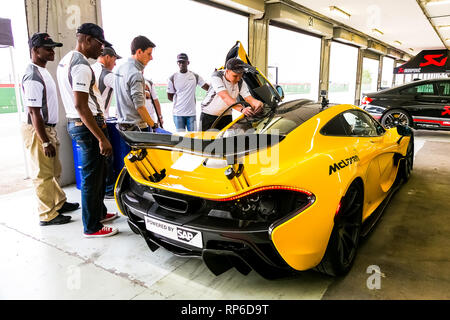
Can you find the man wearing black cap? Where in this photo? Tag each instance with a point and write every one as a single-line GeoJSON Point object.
{"type": "Point", "coordinates": [86, 125]}
{"type": "Point", "coordinates": [225, 88]}
{"type": "Point", "coordinates": [104, 79]}
{"type": "Point", "coordinates": [39, 133]}
{"type": "Point", "coordinates": [181, 89]}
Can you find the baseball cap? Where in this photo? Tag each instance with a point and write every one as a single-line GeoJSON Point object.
{"type": "Point", "coordinates": [237, 65]}
{"type": "Point", "coordinates": [94, 30]}
{"type": "Point", "coordinates": [182, 57]}
{"type": "Point", "coordinates": [109, 51]}
{"type": "Point", "coordinates": [42, 39]}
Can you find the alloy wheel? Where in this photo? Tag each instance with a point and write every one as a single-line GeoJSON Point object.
{"type": "Point", "coordinates": [395, 118]}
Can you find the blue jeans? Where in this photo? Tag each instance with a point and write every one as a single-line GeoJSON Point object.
{"type": "Point", "coordinates": [110, 174]}
{"type": "Point", "coordinates": [184, 123]}
{"type": "Point", "coordinates": [93, 177]}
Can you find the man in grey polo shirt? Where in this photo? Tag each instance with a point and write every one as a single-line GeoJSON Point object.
{"type": "Point", "coordinates": [130, 88]}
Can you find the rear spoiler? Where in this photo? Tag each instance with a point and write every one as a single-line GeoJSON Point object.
{"type": "Point", "coordinates": [229, 148]}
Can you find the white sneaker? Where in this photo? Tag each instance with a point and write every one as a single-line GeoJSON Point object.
{"type": "Point", "coordinates": [109, 217]}
{"type": "Point", "coordinates": [103, 232]}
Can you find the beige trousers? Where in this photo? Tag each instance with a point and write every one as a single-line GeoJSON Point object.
{"type": "Point", "coordinates": [44, 172]}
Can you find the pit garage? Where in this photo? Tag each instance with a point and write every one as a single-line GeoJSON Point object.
{"type": "Point", "coordinates": [323, 53]}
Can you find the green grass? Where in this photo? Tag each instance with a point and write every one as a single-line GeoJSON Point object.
{"type": "Point", "coordinates": [8, 103]}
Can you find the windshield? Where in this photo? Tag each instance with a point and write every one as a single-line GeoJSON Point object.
{"type": "Point", "coordinates": [280, 121]}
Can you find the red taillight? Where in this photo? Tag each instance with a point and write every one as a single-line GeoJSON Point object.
{"type": "Point", "coordinates": [366, 100]}
{"type": "Point", "coordinates": [338, 208]}
{"type": "Point", "coordinates": [263, 189]}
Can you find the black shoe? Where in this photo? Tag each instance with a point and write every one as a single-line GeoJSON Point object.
{"type": "Point", "coordinates": [109, 195]}
{"type": "Point", "coordinates": [69, 206]}
{"type": "Point", "coordinates": [60, 219]}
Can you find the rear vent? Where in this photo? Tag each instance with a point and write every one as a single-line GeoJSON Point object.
{"type": "Point", "coordinates": [171, 204]}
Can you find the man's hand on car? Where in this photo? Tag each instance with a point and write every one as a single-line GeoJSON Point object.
{"type": "Point", "coordinates": [248, 111]}
{"type": "Point", "coordinates": [257, 106]}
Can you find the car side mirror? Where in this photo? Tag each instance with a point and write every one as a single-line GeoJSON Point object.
{"type": "Point", "coordinates": [280, 91]}
{"type": "Point", "coordinates": [404, 130]}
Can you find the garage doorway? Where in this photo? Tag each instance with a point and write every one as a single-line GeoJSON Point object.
{"type": "Point", "coordinates": [175, 26]}
{"type": "Point", "coordinates": [369, 75]}
{"type": "Point", "coordinates": [296, 56]}
{"type": "Point", "coordinates": [343, 68]}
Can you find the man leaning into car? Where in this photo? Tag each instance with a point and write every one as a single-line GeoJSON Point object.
{"type": "Point", "coordinates": [225, 87]}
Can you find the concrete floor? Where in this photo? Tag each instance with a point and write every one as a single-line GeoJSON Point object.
{"type": "Point", "coordinates": [410, 245]}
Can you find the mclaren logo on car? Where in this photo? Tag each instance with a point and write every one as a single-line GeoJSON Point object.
{"type": "Point", "coordinates": [342, 164]}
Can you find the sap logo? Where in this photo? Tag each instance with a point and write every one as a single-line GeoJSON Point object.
{"type": "Point", "coordinates": [185, 235]}
{"type": "Point", "coordinates": [342, 164]}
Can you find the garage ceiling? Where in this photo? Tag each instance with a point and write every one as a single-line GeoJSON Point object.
{"type": "Point", "coordinates": [438, 13]}
{"type": "Point", "coordinates": [402, 20]}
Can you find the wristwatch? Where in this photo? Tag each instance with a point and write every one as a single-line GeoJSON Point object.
{"type": "Point", "coordinates": [46, 144]}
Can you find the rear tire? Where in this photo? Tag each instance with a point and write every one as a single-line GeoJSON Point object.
{"type": "Point", "coordinates": [408, 161]}
{"type": "Point", "coordinates": [344, 239]}
{"type": "Point", "coordinates": [394, 117]}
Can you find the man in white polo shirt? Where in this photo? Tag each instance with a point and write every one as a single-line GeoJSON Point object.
{"type": "Point", "coordinates": [181, 90]}
{"type": "Point", "coordinates": [39, 134]}
{"type": "Point", "coordinates": [86, 125]}
{"type": "Point", "coordinates": [225, 88]}
{"type": "Point", "coordinates": [104, 77]}
{"type": "Point", "coordinates": [104, 80]}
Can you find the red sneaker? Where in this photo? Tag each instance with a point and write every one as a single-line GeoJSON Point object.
{"type": "Point", "coordinates": [103, 232]}
{"type": "Point", "coordinates": [109, 217]}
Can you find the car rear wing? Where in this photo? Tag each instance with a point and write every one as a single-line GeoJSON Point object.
{"type": "Point", "coordinates": [229, 148]}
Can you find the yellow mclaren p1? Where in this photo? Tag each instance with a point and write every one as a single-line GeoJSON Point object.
{"type": "Point", "coordinates": [289, 190]}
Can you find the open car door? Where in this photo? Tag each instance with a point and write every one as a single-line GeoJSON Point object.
{"type": "Point", "coordinates": [260, 87]}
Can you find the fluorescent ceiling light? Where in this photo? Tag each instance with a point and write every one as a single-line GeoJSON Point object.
{"type": "Point", "coordinates": [447, 27]}
{"type": "Point", "coordinates": [398, 42]}
{"type": "Point", "coordinates": [339, 12]}
{"type": "Point", "coordinates": [377, 31]}
{"type": "Point", "coordinates": [437, 2]}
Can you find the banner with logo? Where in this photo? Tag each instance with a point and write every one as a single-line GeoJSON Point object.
{"type": "Point", "coordinates": [427, 61]}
